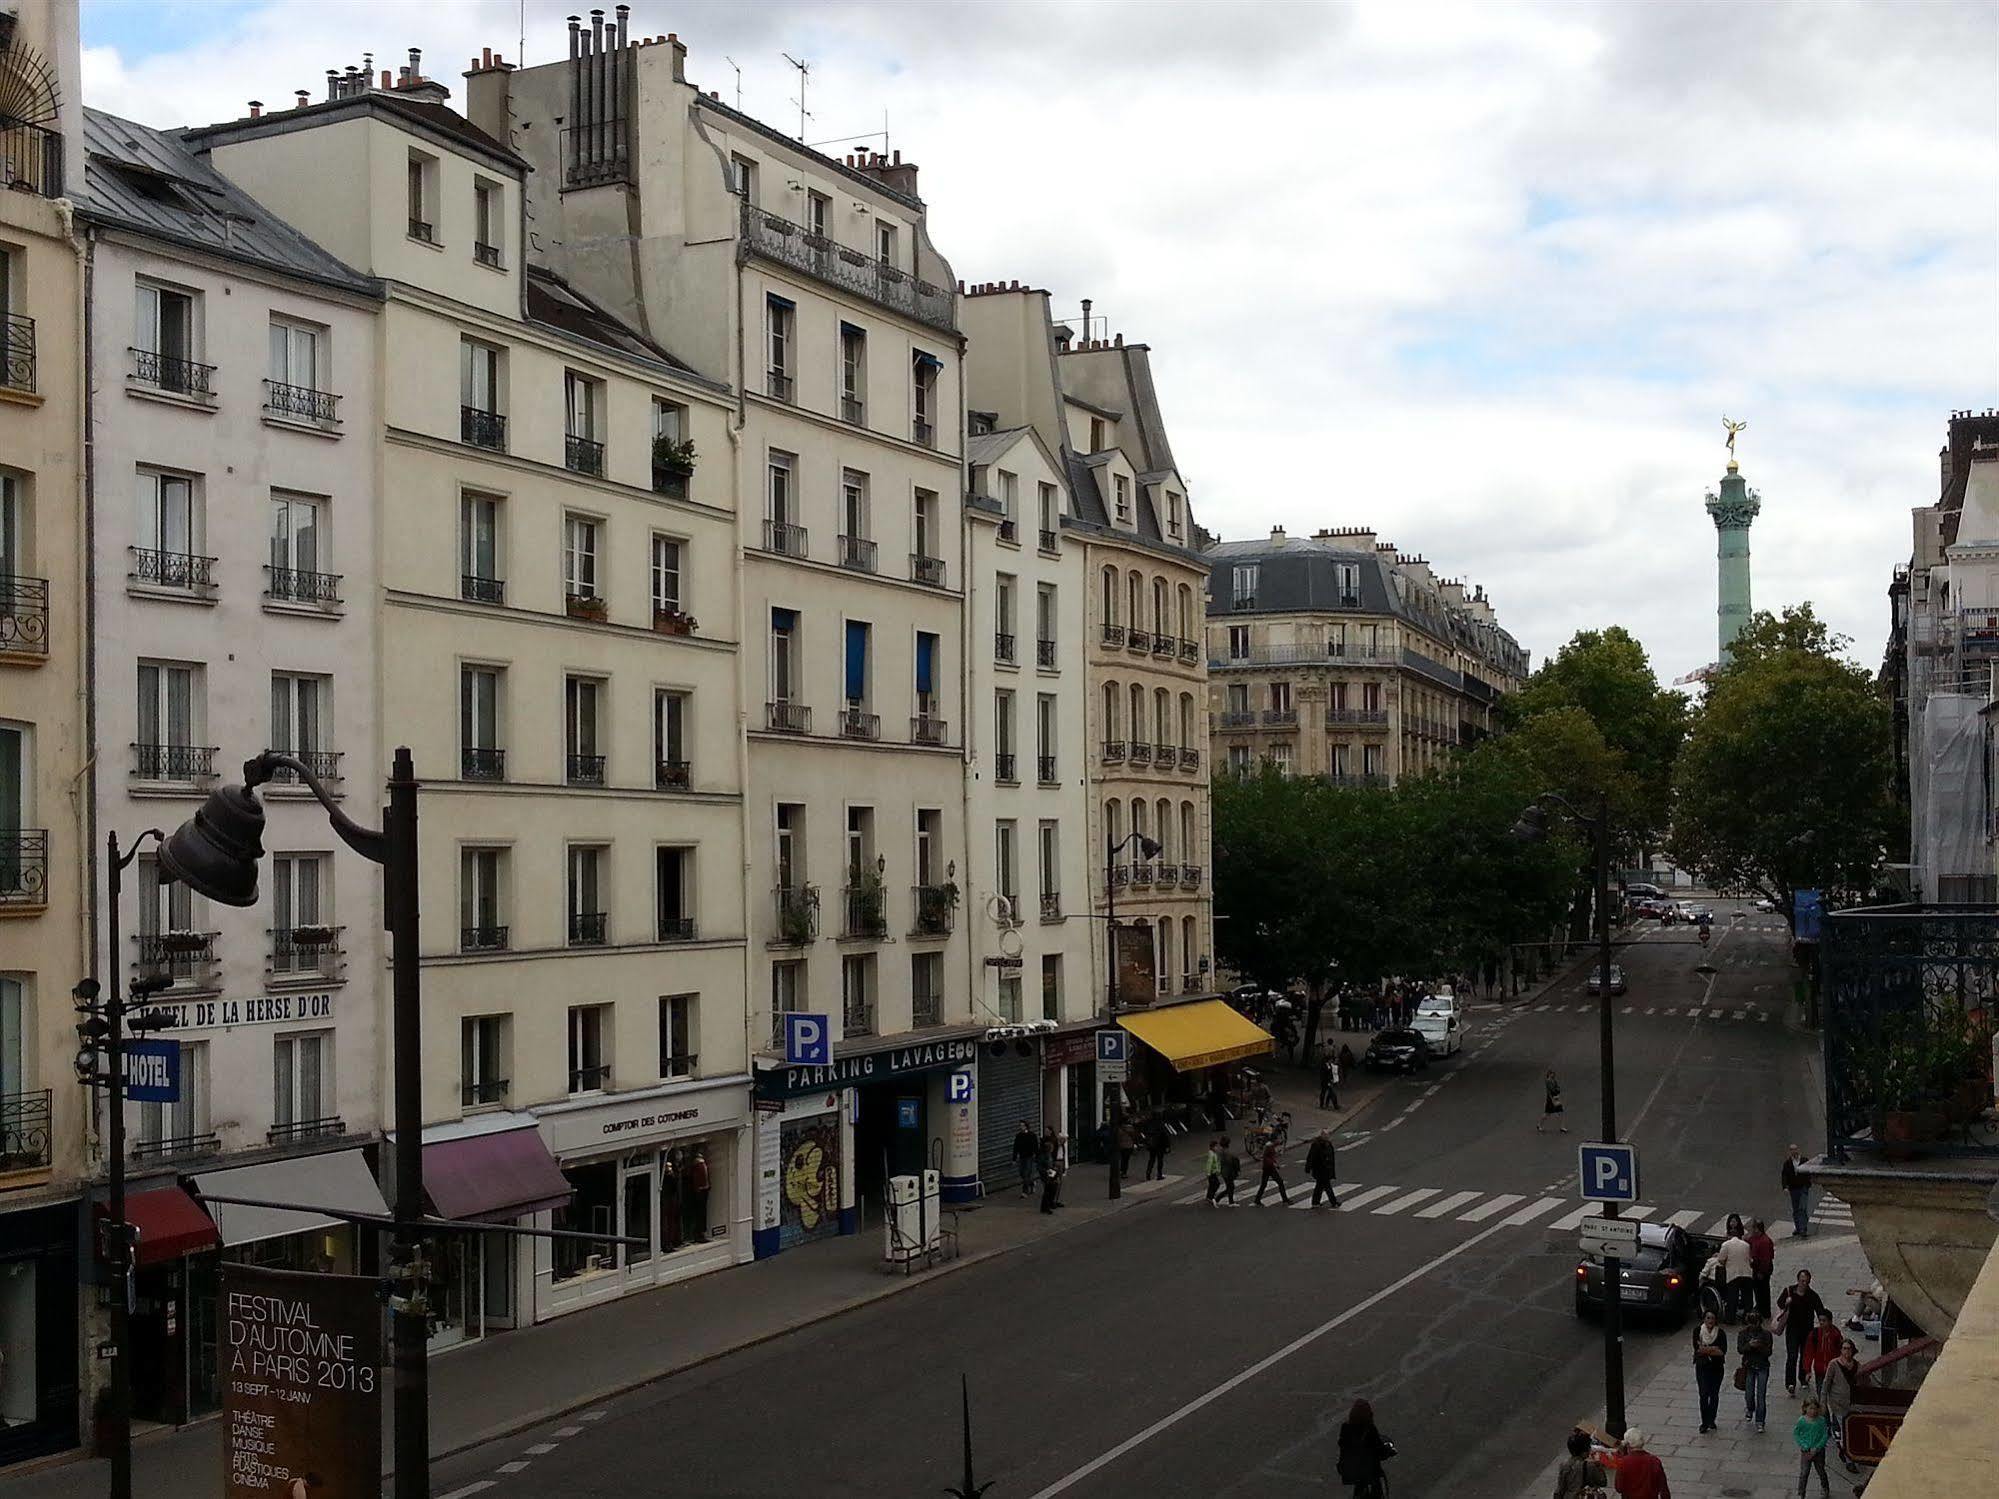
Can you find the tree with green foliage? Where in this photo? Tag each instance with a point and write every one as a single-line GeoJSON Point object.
{"type": "Point", "coordinates": [1785, 781]}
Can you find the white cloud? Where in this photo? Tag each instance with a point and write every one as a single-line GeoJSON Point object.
{"type": "Point", "coordinates": [1483, 277]}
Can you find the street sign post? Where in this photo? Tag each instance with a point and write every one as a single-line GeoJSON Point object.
{"type": "Point", "coordinates": [1113, 1056]}
{"type": "Point", "coordinates": [1608, 1238]}
{"type": "Point", "coordinates": [808, 1041]}
{"type": "Point", "coordinates": [1608, 1171]}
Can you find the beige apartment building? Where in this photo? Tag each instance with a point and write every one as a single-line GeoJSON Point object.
{"type": "Point", "coordinates": [808, 286]}
{"type": "Point", "coordinates": [44, 737]}
{"type": "Point", "coordinates": [558, 605]}
{"type": "Point", "coordinates": [1337, 655]}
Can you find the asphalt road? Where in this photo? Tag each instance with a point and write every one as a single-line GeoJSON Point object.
{"type": "Point", "coordinates": [1178, 1350]}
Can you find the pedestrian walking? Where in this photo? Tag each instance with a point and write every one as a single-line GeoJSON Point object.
{"type": "Point", "coordinates": [1127, 1144]}
{"type": "Point", "coordinates": [1811, 1434]}
{"type": "Point", "coordinates": [1213, 1167]}
{"type": "Point", "coordinates": [1231, 1169]}
{"type": "Point", "coordinates": [1731, 1267]}
{"type": "Point", "coordinates": [1551, 1107]}
{"type": "Point", "coordinates": [1271, 1174]}
{"type": "Point", "coordinates": [1363, 1449]}
{"type": "Point", "coordinates": [1762, 1263]}
{"type": "Point", "coordinates": [1754, 1345]}
{"type": "Point", "coordinates": [1044, 1166]}
{"type": "Point", "coordinates": [1026, 1148]}
{"type": "Point", "coordinates": [1798, 1308]}
{"type": "Point", "coordinates": [1639, 1474]}
{"type": "Point", "coordinates": [1578, 1477]}
{"type": "Point", "coordinates": [1158, 1140]}
{"type": "Point", "coordinates": [1842, 1378]}
{"type": "Point", "coordinates": [1821, 1350]}
{"type": "Point", "coordinates": [1319, 1166]}
{"type": "Point", "coordinates": [1798, 1185]}
{"type": "Point", "coordinates": [1329, 1080]}
{"type": "Point", "coordinates": [1710, 1359]}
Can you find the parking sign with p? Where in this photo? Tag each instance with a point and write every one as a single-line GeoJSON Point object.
{"type": "Point", "coordinates": [1608, 1171]}
{"type": "Point", "coordinates": [807, 1041]}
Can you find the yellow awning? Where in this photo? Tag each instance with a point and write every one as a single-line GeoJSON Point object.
{"type": "Point", "coordinates": [1202, 1034]}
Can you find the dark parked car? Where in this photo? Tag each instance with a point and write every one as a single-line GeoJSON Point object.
{"type": "Point", "coordinates": [1616, 979]}
{"type": "Point", "coordinates": [1663, 1281]}
{"type": "Point", "coordinates": [1397, 1051]}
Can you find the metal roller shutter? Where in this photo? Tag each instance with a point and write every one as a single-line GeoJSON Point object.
{"type": "Point", "coordinates": [1009, 1091]}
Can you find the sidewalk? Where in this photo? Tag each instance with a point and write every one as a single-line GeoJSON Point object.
{"type": "Point", "coordinates": [1737, 1462]}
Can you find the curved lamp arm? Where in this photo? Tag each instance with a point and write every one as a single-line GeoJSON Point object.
{"type": "Point", "coordinates": [369, 843]}
{"type": "Point", "coordinates": [1587, 818]}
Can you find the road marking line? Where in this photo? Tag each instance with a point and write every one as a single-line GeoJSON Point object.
{"type": "Point", "coordinates": [1684, 1219]}
{"type": "Point", "coordinates": [1716, 1014]}
{"type": "Point", "coordinates": [1576, 1215]}
{"type": "Point", "coordinates": [569, 1431]}
{"type": "Point", "coordinates": [542, 1449]}
{"type": "Point", "coordinates": [1449, 1204]}
{"type": "Point", "coordinates": [1628, 1009]}
{"type": "Point", "coordinates": [1236, 1381]}
{"type": "Point", "coordinates": [1529, 1213]}
{"type": "Point", "coordinates": [1391, 1124]}
{"type": "Point", "coordinates": [1719, 1227]}
{"type": "Point", "coordinates": [1498, 1204]}
{"type": "Point", "coordinates": [1637, 1210]}
{"type": "Point", "coordinates": [471, 1488]}
{"type": "Point", "coordinates": [1362, 1199]}
{"type": "Point", "coordinates": [1419, 1195]}
{"type": "Point", "coordinates": [592, 1416]}
{"type": "Point", "coordinates": [510, 1467]}
{"type": "Point", "coordinates": [1180, 1202]}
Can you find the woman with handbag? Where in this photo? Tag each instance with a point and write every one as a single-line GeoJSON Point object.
{"type": "Point", "coordinates": [1710, 1358]}
{"type": "Point", "coordinates": [1363, 1449]}
{"type": "Point", "coordinates": [1579, 1477]}
{"type": "Point", "coordinates": [1752, 1375]}
{"type": "Point", "coordinates": [1842, 1377]}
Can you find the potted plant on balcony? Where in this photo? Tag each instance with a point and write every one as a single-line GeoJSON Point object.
{"type": "Point", "coordinates": [312, 936]}
{"type": "Point", "coordinates": [590, 606]}
{"type": "Point", "coordinates": [672, 464]}
{"type": "Point", "coordinates": [673, 621]}
{"type": "Point", "coordinates": [870, 901]}
{"type": "Point", "coordinates": [183, 943]}
{"type": "Point", "coordinates": [1922, 1069]}
{"type": "Point", "coordinates": [935, 905]}
{"type": "Point", "coordinates": [800, 917]}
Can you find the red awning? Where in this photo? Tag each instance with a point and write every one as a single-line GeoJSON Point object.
{"type": "Point", "coordinates": [170, 1224]}
{"type": "Point", "coordinates": [493, 1177]}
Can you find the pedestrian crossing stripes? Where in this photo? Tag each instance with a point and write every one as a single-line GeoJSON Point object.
{"type": "Point", "coordinates": [1555, 1214]}
{"type": "Point", "coordinates": [1750, 1015]}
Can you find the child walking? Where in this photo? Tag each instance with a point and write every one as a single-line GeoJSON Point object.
{"type": "Point", "coordinates": [1811, 1434]}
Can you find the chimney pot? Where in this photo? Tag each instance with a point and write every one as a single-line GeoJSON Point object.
{"type": "Point", "coordinates": [898, 158]}
{"type": "Point", "coordinates": [416, 62]}
{"type": "Point", "coordinates": [256, 108]}
{"type": "Point", "coordinates": [486, 57]}
{"type": "Point", "coordinates": [302, 96]}
{"type": "Point", "coordinates": [1119, 341]}
{"type": "Point", "coordinates": [387, 79]}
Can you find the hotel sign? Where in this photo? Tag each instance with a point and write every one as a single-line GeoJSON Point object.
{"type": "Point", "coordinates": [262, 1009]}
{"type": "Point", "coordinates": [868, 1067]}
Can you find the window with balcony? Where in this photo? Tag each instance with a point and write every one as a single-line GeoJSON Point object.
{"type": "Point", "coordinates": [1051, 986]}
{"type": "Point", "coordinates": [853, 373]}
{"type": "Point", "coordinates": [782, 531]}
{"type": "Point", "coordinates": [857, 994]}
{"type": "Point", "coordinates": [673, 893]}
{"type": "Point", "coordinates": [1243, 579]}
{"type": "Point", "coordinates": [585, 895]}
{"type": "Point", "coordinates": [926, 989]}
{"type": "Point", "coordinates": [24, 1112]}
{"type": "Point", "coordinates": [1006, 490]}
{"type": "Point", "coordinates": [1340, 761]}
{"type": "Point", "coordinates": [482, 919]}
{"type": "Point", "coordinates": [583, 424]}
{"type": "Point", "coordinates": [788, 850]}
{"type": "Point", "coordinates": [1187, 621]}
{"type": "Point", "coordinates": [1006, 763]}
{"type": "Point", "coordinates": [297, 572]}
{"type": "Point", "coordinates": [1050, 849]}
{"type": "Point", "coordinates": [924, 369]}
{"type": "Point", "coordinates": [1006, 868]}
{"type": "Point", "coordinates": [1370, 697]}
{"type": "Point", "coordinates": [169, 535]}
{"type": "Point", "coordinates": [480, 579]}
{"type": "Point", "coordinates": [1175, 509]}
{"type": "Point", "coordinates": [1190, 843]}
{"type": "Point", "coordinates": [857, 548]}
{"type": "Point", "coordinates": [17, 329]}
{"type": "Point", "coordinates": [670, 742]}
{"type": "Point", "coordinates": [1187, 741]}
{"type": "Point", "coordinates": [589, 1048]}
{"type": "Point", "coordinates": [302, 722]}
{"type": "Point", "coordinates": [672, 449]}
{"type": "Point", "coordinates": [480, 756]}
{"type": "Point", "coordinates": [1004, 649]}
{"type": "Point", "coordinates": [857, 721]}
{"type": "Point", "coordinates": [582, 543]}
{"type": "Point", "coordinates": [295, 387]}
{"type": "Point", "coordinates": [926, 562]}
{"type": "Point", "coordinates": [420, 188]}
{"type": "Point", "coordinates": [1047, 614]}
{"type": "Point", "coordinates": [885, 244]}
{"type": "Point", "coordinates": [818, 214]}
{"type": "Point", "coordinates": [1049, 511]}
{"type": "Point", "coordinates": [583, 730]}
{"type": "Point", "coordinates": [1008, 1000]}
{"type": "Point", "coordinates": [1239, 758]}
{"type": "Point", "coordinates": [1347, 577]}
{"type": "Point", "coordinates": [1238, 642]}
{"type": "Point", "coordinates": [780, 330]}
{"type": "Point", "coordinates": [1370, 760]}
{"type": "Point", "coordinates": [302, 1098]}
{"type": "Point", "coordinates": [480, 370]}
{"type": "Point", "coordinates": [1370, 641]}
{"type": "Point", "coordinates": [166, 1130]}
{"type": "Point", "coordinates": [787, 994]}
{"type": "Point", "coordinates": [1280, 703]}
{"type": "Point", "coordinates": [169, 944]}
{"type": "Point", "coordinates": [669, 602]}
{"type": "Point", "coordinates": [1045, 768]}
{"type": "Point", "coordinates": [784, 712]}
{"type": "Point", "coordinates": [170, 710]}
{"type": "Point", "coordinates": [166, 342]}
{"type": "Point", "coordinates": [1280, 757]}
{"type": "Point", "coordinates": [303, 940]}
{"type": "Point", "coordinates": [24, 600]}
{"type": "Point", "coordinates": [482, 1059]}
{"type": "Point", "coordinates": [679, 1035]}
{"type": "Point", "coordinates": [488, 229]}
{"type": "Point", "coordinates": [927, 724]}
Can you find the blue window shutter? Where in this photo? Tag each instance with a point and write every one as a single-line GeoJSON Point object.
{"type": "Point", "coordinates": [857, 660]}
{"type": "Point", "coordinates": [783, 619]}
{"type": "Point", "coordinates": [785, 302]}
{"type": "Point", "coordinates": [929, 359]}
{"type": "Point", "coordinates": [926, 663]}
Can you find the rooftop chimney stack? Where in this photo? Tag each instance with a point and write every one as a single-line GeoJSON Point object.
{"type": "Point", "coordinates": [256, 108]}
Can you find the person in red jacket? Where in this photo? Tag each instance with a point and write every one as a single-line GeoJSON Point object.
{"type": "Point", "coordinates": [1821, 1348]}
{"type": "Point", "coordinates": [1762, 1263]}
{"type": "Point", "coordinates": [1638, 1474]}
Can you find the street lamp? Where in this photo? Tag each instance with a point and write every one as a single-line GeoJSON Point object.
{"type": "Point", "coordinates": [215, 854]}
{"type": "Point", "coordinates": [1147, 849]}
{"type": "Point", "coordinates": [1533, 828]}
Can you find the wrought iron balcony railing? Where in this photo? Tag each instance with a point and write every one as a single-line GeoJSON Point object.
{"type": "Point", "coordinates": [1050, 542]}
{"type": "Point", "coordinates": [1045, 769]}
{"type": "Point", "coordinates": [585, 770]}
{"type": "Point", "coordinates": [590, 1079]}
{"type": "Point", "coordinates": [481, 590]}
{"type": "Point", "coordinates": [183, 957]}
{"type": "Point", "coordinates": [923, 729]}
{"type": "Point", "coordinates": [31, 160]}
{"type": "Point", "coordinates": [866, 910]}
{"type": "Point", "coordinates": [422, 229]}
{"type": "Point", "coordinates": [797, 909]}
{"type": "Point", "coordinates": [476, 763]}
{"type": "Point", "coordinates": [1044, 654]}
{"type": "Point", "coordinates": [1051, 907]}
{"type": "Point", "coordinates": [24, 614]}
{"type": "Point", "coordinates": [779, 386]}
{"type": "Point", "coordinates": [1162, 755]}
{"type": "Point", "coordinates": [670, 482]}
{"type": "Point", "coordinates": [177, 1147]}
{"type": "Point", "coordinates": [582, 455]}
{"type": "Point", "coordinates": [858, 553]}
{"type": "Point", "coordinates": [853, 411]}
{"type": "Point", "coordinates": [1190, 759]}
{"type": "Point", "coordinates": [17, 351]}
{"type": "Point", "coordinates": [1138, 640]}
{"type": "Point", "coordinates": [306, 949]}
{"type": "Point", "coordinates": [323, 763]}
{"type": "Point", "coordinates": [1113, 752]}
{"type": "Point", "coordinates": [1003, 646]}
{"type": "Point", "coordinates": [24, 867]}
{"type": "Point", "coordinates": [485, 254]}
{"type": "Point", "coordinates": [1190, 876]}
{"type": "Point", "coordinates": [484, 938]}
{"type": "Point", "coordinates": [328, 1127]}
{"type": "Point", "coordinates": [160, 569]}
{"type": "Point", "coordinates": [935, 907]}
{"type": "Point", "coordinates": [181, 377]}
{"type": "Point", "coordinates": [1141, 876]}
{"type": "Point", "coordinates": [302, 403]}
{"type": "Point", "coordinates": [785, 539]}
{"type": "Point", "coordinates": [299, 587]}
{"type": "Point", "coordinates": [671, 775]}
{"type": "Point", "coordinates": [928, 570]}
{"type": "Point", "coordinates": [1163, 645]}
{"type": "Point", "coordinates": [926, 1008]}
{"type": "Point", "coordinates": [1239, 719]}
{"type": "Point", "coordinates": [1361, 716]}
{"type": "Point", "coordinates": [676, 928]}
{"type": "Point", "coordinates": [586, 928]}
{"type": "Point", "coordinates": [922, 433]}
{"type": "Point", "coordinates": [1190, 653]}
{"type": "Point", "coordinates": [1281, 717]}
{"type": "Point", "coordinates": [1113, 635]}
{"type": "Point", "coordinates": [25, 1120]}
{"type": "Point", "coordinates": [486, 1090]}
{"type": "Point", "coordinates": [1139, 753]}
{"type": "Point", "coordinates": [785, 717]}
{"type": "Point", "coordinates": [173, 762]}
{"type": "Point", "coordinates": [820, 256]}
{"type": "Point", "coordinates": [1006, 768]}
{"type": "Point", "coordinates": [855, 723]}
{"type": "Point", "coordinates": [1009, 529]}
{"type": "Point", "coordinates": [1117, 876]}
{"type": "Point", "coordinates": [482, 429]}
{"type": "Point", "coordinates": [857, 1016]}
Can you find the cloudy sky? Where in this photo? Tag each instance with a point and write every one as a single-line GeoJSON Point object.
{"type": "Point", "coordinates": [1483, 276]}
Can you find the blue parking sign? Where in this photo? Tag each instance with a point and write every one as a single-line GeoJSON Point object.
{"type": "Point", "coordinates": [958, 1086]}
{"type": "Point", "coordinates": [808, 1041]}
{"type": "Point", "coordinates": [1112, 1046]}
{"type": "Point", "coordinates": [1608, 1171]}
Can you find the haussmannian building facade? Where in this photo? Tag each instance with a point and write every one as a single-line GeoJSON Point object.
{"type": "Point", "coordinates": [1336, 655]}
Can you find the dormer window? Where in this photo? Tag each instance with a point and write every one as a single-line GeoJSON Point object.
{"type": "Point", "coordinates": [422, 178]}
{"type": "Point", "coordinates": [1121, 490]}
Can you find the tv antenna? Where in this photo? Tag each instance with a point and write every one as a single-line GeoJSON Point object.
{"type": "Point", "coordinates": [739, 81]}
{"type": "Point", "coordinates": [804, 75]}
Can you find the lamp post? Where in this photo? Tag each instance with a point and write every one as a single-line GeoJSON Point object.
{"type": "Point", "coordinates": [215, 853]}
{"type": "Point", "coordinates": [1533, 828]}
{"type": "Point", "coordinates": [1147, 849]}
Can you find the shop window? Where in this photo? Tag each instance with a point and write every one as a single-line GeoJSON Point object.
{"type": "Point", "coordinates": [593, 1209]}
{"type": "Point", "coordinates": [679, 1034]}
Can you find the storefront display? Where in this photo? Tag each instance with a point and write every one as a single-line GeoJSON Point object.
{"type": "Point", "coordinates": [38, 1308]}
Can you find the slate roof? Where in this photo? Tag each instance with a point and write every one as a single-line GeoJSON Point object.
{"type": "Point", "coordinates": [426, 114]}
{"type": "Point", "coordinates": [151, 181]}
{"type": "Point", "coordinates": [989, 447]}
{"type": "Point", "coordinates": [554, 303]}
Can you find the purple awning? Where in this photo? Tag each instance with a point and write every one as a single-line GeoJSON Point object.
{"type": "Point", "coordinates": [493, 1177]}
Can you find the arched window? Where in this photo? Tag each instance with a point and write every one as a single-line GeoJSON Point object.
{"type": "Point", "coordinates": [1139, 819]}
{"type": "Point", "coordinates": [1113, 822]}
{"type": "Point", "coordinates": [1161, 623]}
{"type": "Point", "coordinates": [1162, 716]}
{"type": "Point", "coordinates": [1137, 713]}
{"type": "Point", "coordinates": [1165, 826]}
{"type": "Point", "coordinates": [1190, 842]}
{"type": "Point", "coordinates": [1186, 612]}
{"type": "Point", "coordinates": [1111, 696]}
{"type": "Point", "coordinates": [1164, 957]}
{"type": "Point", "coordinates": [1187, 721]}
{"type": "Point", "coordinates": [1190, 958]}
{"type": "Point", "coordinates": [1135, 601]}
{"type": "Point", "coordinates": [1109, 601]}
